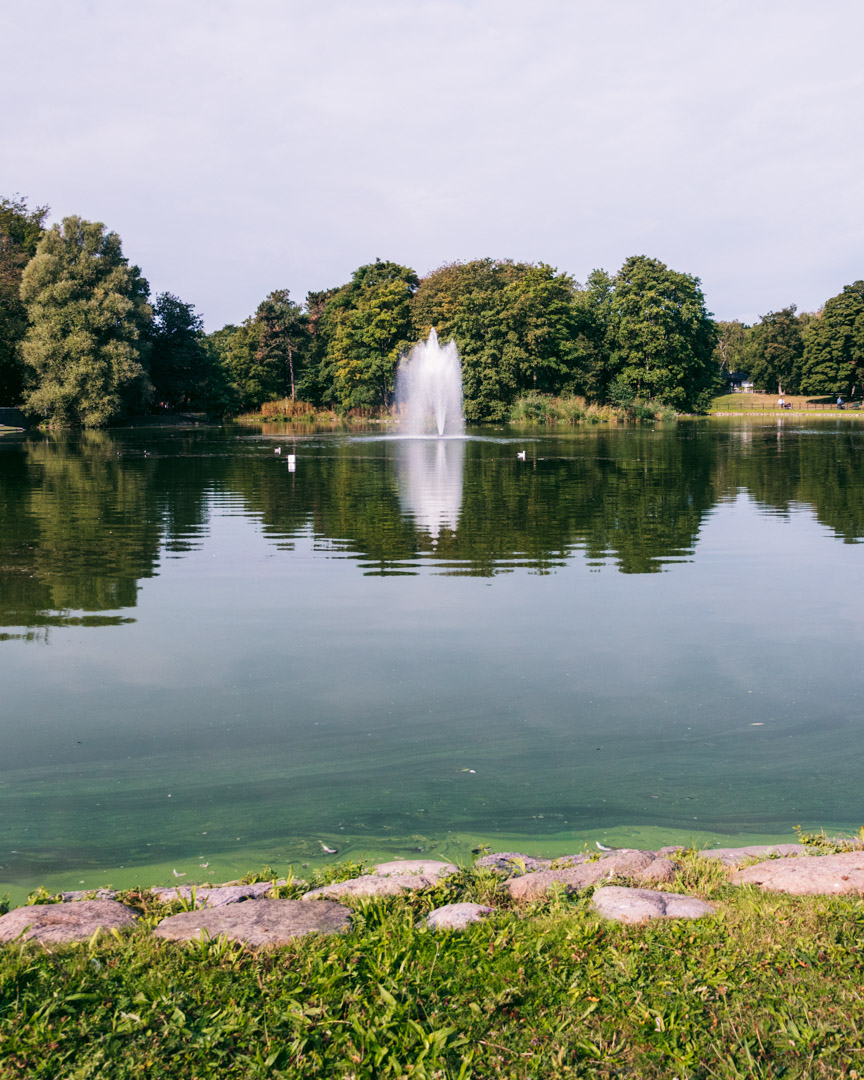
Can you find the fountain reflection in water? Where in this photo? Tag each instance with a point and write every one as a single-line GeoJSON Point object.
{"type": "Point", "coordinates": [429, 389]}
{"type": "Point", "coordinates": [430, 483]}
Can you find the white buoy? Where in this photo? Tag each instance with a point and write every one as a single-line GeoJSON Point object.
{"type": "Point", "coordinates": [278, 450]}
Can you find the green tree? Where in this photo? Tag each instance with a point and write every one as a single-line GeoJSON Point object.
{"type": "Point", "coordinates": [366, 326]}
{"type": "Point", "coordinates": [516, 326]}
{"type": "Point", "coordinates": [661, 336]}
{"type": "Point", "coordinates": [731, 342]}
{"type": "Point", "coordinates": [20, 232]}
{"type": "Point", "coordinates": [179, 363]}
{"type": "Point", "coordinates": [248, 381]}
{"type": "Point", "coordinates": [594, 313]}
{"type": "Point", "coordinates": [89, 320]}
{"type": "Point", "coordinates": [833, 361]}
{"type": "Point", "coordinates": [316, 384]}
{"type": "Point", "coordinates": [774, 349]}
{"type": "Point", "coordinates": [283, 338]}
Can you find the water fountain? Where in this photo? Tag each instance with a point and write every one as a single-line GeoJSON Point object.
{"type": "Point", "coordinates": [429, 389]}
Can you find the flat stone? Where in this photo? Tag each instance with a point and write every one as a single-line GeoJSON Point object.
{"type": "Point", "coordinates": [372, 885]}
{"type": "Point", "coordinates": [88, 894]}
{"type": "Point", "coordinates": [213, 896]}
{"type": "Point", "coordinates": [638, 905]}
{"type": "Point", "coordinates": [572, 860]}
{"type": "Point", "coordinates": [427, 868]}
{"type": "Point", "coordinates": [636, 865]}
{"type": "Point", "coordinates": [75, 921]}
{"type": "Point", "coordinates": [808, 875]}
{"type": "Point", "coordinates": [506, 863]}
{"type": "Point", "coordinates": [456, 916]}
{"type": "Point", "coordinates": [258, 922]}
{"type": "Point", "coordinates": [732, 856]}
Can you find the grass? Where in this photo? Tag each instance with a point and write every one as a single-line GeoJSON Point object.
{"type": "Point", "coordinates": [288, 411]}
{"type": "Point", "coordinates": [744, 403]}
{"type": "Point", "coordinates": [546, 409]}
{"type": "Point", "coordinates": [770, 987]}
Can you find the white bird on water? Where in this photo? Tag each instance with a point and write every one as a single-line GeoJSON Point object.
{"type": "Point", "coordinates": [329, 850]}
{"type": "Point", "coordinates": [521, 455]}
{"type": "Point", "coordinates": [178, 875]}
{"type": "Point", "coordinates": [278, 450]}
{"type": "Point", "coordinates": [602, 847]}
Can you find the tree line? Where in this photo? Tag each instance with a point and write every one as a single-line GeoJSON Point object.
{"type": "Point", "coordinates": [82, 341]}
{"type": "Point", "coordinates": [795, 352]}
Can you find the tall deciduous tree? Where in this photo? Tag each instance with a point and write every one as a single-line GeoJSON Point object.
{"type": "Point", "coordinates": [235, 349]}
{"type": "Point", "coordinates": [661, 336]}
{"type": "Point", "coordinates": [729, 350]}
{"type": "Point", "coordinates": [283, 338]}
{"type": "Point", "coordinates": [179, 368]}
{"type": "Point", "coordinates": [833, 361]}
{"type": "Point", "coordinates": [516, 327]}
{"type": "Point", "coordinates": [368, 325]}
{"type": "Point", "coordinates": [317, 383]}
{"type": "Point", "coordinates": [593, 305]}
{"type": "Point", "coordinates": [89, 319]}
{"type": "Point", "coordinates": [21, 230]}
{"type": "Point", "coordinates": [774, 350]}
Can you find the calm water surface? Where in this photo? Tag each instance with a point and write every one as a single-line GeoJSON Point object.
{"type": "Point", "coordinates": [636, 636]}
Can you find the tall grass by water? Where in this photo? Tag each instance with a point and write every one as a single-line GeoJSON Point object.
{"type": "Point", "coordinates": [547, 409]}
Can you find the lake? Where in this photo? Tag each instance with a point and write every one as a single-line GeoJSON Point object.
{"type": "Point", "coordinates": [211, 661]}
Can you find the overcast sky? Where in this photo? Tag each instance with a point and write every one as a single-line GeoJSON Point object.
{"type": "Point", "coordinates": [240, 147]}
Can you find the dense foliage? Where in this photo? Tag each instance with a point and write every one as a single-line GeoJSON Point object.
{"type": "Point", "coordinates": [661, 337]}
{"type": "Point", "coordinates": [86, 344]}
{"type": "Point", "coordinates": [80, 344]}
{"type": "Point", "coordinates": [180, 371]}
{"type": "Point", "coordinates": [833, 358]}
{"type": "Point", "coordinates": [729, 350]}
{"type": "Point", "coordinates": [366, 326]}
{"type": "Point", "coordinates": [20, 232]}
{"type": "Point", "coordinates": [516, 327]}
{"type": "Point", "coordinates": [773, 351]}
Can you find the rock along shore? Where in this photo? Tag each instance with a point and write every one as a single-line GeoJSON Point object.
{"type": "Point", "coordinates": [246, 913]}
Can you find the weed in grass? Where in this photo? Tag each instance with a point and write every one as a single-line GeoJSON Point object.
{"type": "Point", "coordinates": [253, 877]}
{"type": "Point", "coordinates": [43, 896]}
{"type": "Point", "coordinates": [821, 844]}
{"type": "Point", "coordinates": [698, 875]}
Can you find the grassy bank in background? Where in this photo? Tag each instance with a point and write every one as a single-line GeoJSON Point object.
{"type": "Point", "coordinates": [756, 403]}
{"type": "Point", "coordinates": [772, 986]}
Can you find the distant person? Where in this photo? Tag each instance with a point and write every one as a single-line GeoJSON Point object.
{"type": "Point", "coordinates": [781, 404]}
{"type": "Point", "coordinates": [839, 402]}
